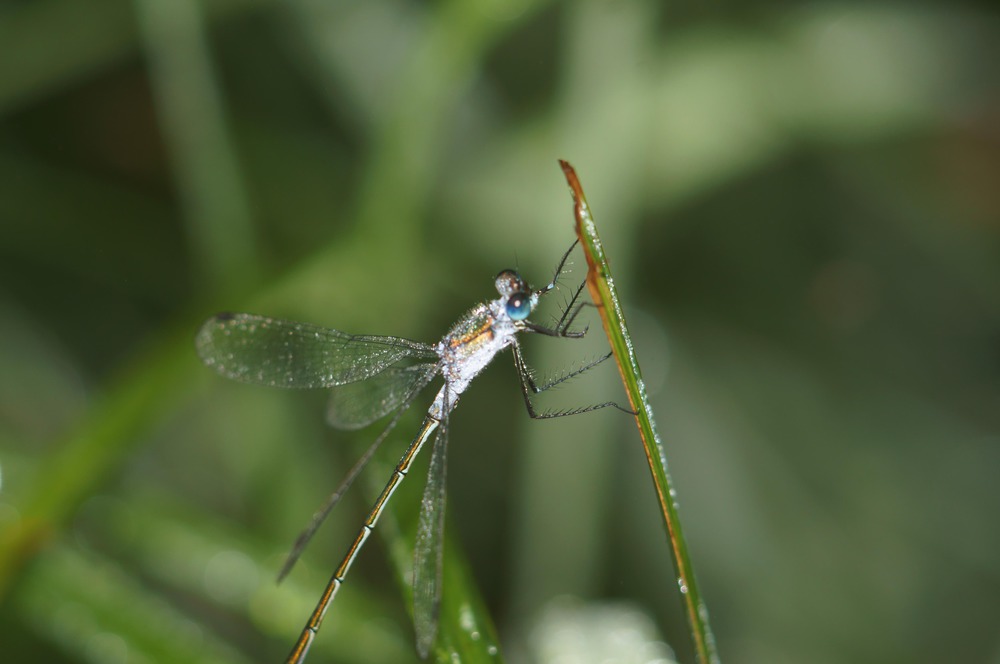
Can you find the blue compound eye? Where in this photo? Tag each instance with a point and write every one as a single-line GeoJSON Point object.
{"type": "Point", "coordinates": [518, 306]}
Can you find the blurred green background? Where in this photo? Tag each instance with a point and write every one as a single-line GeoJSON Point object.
{"type": "Point", "coordinates": [801, 203]}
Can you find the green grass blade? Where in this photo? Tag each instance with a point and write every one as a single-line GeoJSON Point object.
{"type": "Point", "coordinates": [601, 286]}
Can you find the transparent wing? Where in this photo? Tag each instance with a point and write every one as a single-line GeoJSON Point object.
{"type": "Point", "coordinates": [356, 405]}
{"type": "Point", "coordinates": [279, 353]}
{"type": "Point", "coordinates": [417, 380]}
{"type": "Point", "coordinates": [429, 547]}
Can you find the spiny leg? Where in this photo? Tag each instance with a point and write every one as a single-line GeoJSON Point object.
{"type": "Point", "coordinates": [567, 318]}
{"type": "Point", "coordinates": [536, 389]}
{"type": "Point", "coordinates": [559, 269]}
{"type": "Point", "coordinates": [570, 312]}
{"type": "Point", "coordinates": [529, 388]}
{"type": "Point", "coordinates": [298, 653]}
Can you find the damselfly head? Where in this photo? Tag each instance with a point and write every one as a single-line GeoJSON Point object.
{"type": "Point", "coordinates": [519, 299]}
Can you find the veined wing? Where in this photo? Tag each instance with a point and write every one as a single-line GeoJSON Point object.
{"type": "Point", "coordinates": [349, 409]}
{"type": "Point", "coordinates": [279, 353]}
{"type": "Point", "coordinates": [429, 548]}
{"type": "Point", "coordinates": [358, 404]}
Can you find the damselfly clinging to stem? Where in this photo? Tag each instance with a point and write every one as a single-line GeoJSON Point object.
{"type": "Point", "coordinates": [374, 376]}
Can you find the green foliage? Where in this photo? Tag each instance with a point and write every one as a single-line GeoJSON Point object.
{"type": "Point", "coordinates": [601, 284]}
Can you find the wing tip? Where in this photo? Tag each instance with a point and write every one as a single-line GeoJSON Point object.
{"type": "Point", "coordinates": [205, 337]}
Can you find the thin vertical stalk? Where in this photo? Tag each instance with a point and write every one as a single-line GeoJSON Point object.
{"type": "Point", "coordinates": [602, 289]}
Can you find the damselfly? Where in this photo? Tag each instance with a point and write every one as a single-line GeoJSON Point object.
{"type": "Point", "coordinates": [374, 376]}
